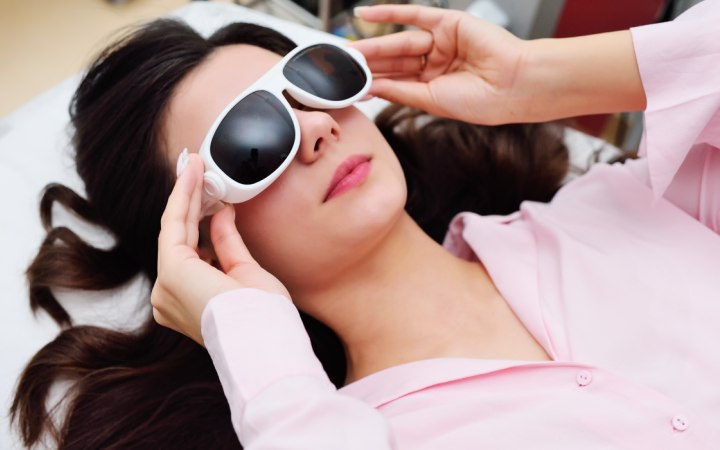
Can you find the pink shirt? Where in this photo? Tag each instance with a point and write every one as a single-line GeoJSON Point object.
{"type": "Point", "coordinates": [618, 279]}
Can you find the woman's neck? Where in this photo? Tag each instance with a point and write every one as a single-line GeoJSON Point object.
{"type": "Point", "coordinates": [409, 299]}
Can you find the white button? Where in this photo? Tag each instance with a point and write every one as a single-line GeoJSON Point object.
{"type": "Point", "coordinates": [583, 378]}
{"type": "Point", "coordinates": [214, 187]}
{"type": "Point", "coordinates": [680, 423]}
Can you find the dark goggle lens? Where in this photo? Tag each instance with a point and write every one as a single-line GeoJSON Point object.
{"type": "Point", "coordinates": [253, 139]}
{"type": "Point", "coordinates": [326, 72]}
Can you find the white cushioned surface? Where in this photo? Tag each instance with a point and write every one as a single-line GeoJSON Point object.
{"type": "Point", "coordinates": [34, 151]}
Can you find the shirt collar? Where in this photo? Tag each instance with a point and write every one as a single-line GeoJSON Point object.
{"type": "Point", "coordinates": [392, 383]}
{"type": "Point", "coordinates": [389, 384]}
{"type": "Point", "coordinates": [506, 246]}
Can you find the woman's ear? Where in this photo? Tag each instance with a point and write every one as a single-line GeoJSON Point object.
{"type": "Point", "coordinates": [205, 250]}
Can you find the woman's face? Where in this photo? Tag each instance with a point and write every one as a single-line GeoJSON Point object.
{"type": "Point", "coordinates": [291, 228]}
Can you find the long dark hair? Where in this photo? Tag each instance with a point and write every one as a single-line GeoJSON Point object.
{"type": "Point", "coordinates": [154, 388]}
{"type": "Point", "coordinates": [452, 166]}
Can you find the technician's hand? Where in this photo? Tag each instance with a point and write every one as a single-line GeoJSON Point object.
{"type": "Point", "coordinates": [455, 66]}
{"type": "Point", "coordinates": [186, 283]}
{"type": "Point", "coordinates": [461, 67]}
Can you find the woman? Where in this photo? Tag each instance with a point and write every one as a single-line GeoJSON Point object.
{"type": "Point", "coordinates": [550, 366]}
{"type": "Point", "coordinates": [157, 388]}
{"type": "Point", "coordinates": [574, 271]}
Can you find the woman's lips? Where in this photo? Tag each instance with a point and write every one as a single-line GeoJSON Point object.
{"type": "Point", "coordinates": [352, 172]}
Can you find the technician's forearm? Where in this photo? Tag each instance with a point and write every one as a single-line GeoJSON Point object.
{"type": "Point", "coordinates": [578, 76]}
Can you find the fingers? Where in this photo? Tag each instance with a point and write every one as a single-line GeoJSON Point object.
{"type": "Point", "coordinates": [406, 43]}
{"type": "Point", "coordinates": [173, 229]}
{"type": "Point", "coordinates": [194, 213]}
{"type": "Point", "coordinates": [180, 221]}
{"type": "Point", "coordinates": [398, 55]}
{"type": "Point", "coordinates": [396, 66]}
{"type": "Point", "coordinates": [229, 246]}
{"type": "Point", "coordinates": [420, 16]}
{"type": "Point", "coordinates": [406, 92]}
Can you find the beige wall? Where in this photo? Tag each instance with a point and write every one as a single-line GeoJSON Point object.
{"type": "Point", "coordinates": [42, 42]}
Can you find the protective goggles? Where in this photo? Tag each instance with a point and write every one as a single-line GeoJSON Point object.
{"type": "Point", "coordinates": [257, 135]}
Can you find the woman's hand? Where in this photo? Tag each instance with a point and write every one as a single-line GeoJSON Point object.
{"type": "Point", "coordinates": [186, 283]}
{"type": "Point", "coordinates": [455, 66]}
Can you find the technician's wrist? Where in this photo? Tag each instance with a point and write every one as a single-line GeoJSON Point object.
{"type": "Point", "coordinates": [582, 75]}
{"type": "Point", "coordinates": [545, 83]}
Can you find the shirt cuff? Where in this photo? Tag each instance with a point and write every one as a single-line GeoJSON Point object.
{"type": "Point", "coordinates": [255, 339]}
{"type": "Point", "coordinates": [679, 65]}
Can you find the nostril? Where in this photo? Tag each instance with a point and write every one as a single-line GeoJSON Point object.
{"type": "Point", "coordinates": [335, 133]}
{"type": "Point", "coordinates": [317, 144]}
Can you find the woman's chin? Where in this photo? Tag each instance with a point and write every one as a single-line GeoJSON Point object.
{"type": "Point", "coordinates": [371, 211]}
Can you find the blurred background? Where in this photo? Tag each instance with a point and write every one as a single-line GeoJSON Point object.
{"type": "Point", "coordinates": [45, 42]}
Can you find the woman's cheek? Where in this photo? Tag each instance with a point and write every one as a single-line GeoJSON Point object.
{"type": "Point", "coordinates": [271, 227]}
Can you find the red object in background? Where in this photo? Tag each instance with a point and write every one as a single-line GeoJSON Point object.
{"type": "Point", "coordinates": [581, 17]}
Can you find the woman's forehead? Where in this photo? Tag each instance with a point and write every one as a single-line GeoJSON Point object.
{"type": "Point", "coordinates": [207, 89]}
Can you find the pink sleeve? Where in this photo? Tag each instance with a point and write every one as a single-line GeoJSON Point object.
{"type": "Point", "coordinates": [679, 65]}
{"type": "Point", "coordinates": [279, 395]}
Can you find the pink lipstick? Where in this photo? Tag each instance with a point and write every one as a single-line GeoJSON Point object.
{"type": "Point", "coordinates": [352, 172]}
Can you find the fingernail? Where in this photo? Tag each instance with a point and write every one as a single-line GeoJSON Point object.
{"type": "Point", "coordinates": [358, 9]}
{"type": "Point", "coordinates": [182, 162]}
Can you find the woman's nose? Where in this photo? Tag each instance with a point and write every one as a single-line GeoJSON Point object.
{"type": "Point", "coordinates": [318, 129]}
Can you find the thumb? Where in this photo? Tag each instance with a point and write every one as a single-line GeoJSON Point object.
{"type": "Point", "coordinates": [411, 93]}
{"type": "Point", "coordinates": [229, 246]}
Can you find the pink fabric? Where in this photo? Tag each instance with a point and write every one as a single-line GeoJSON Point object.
{"type": "Point", "coordinates": [279, 394]}
{"type": "Point", "coordinates": [618, 279]}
